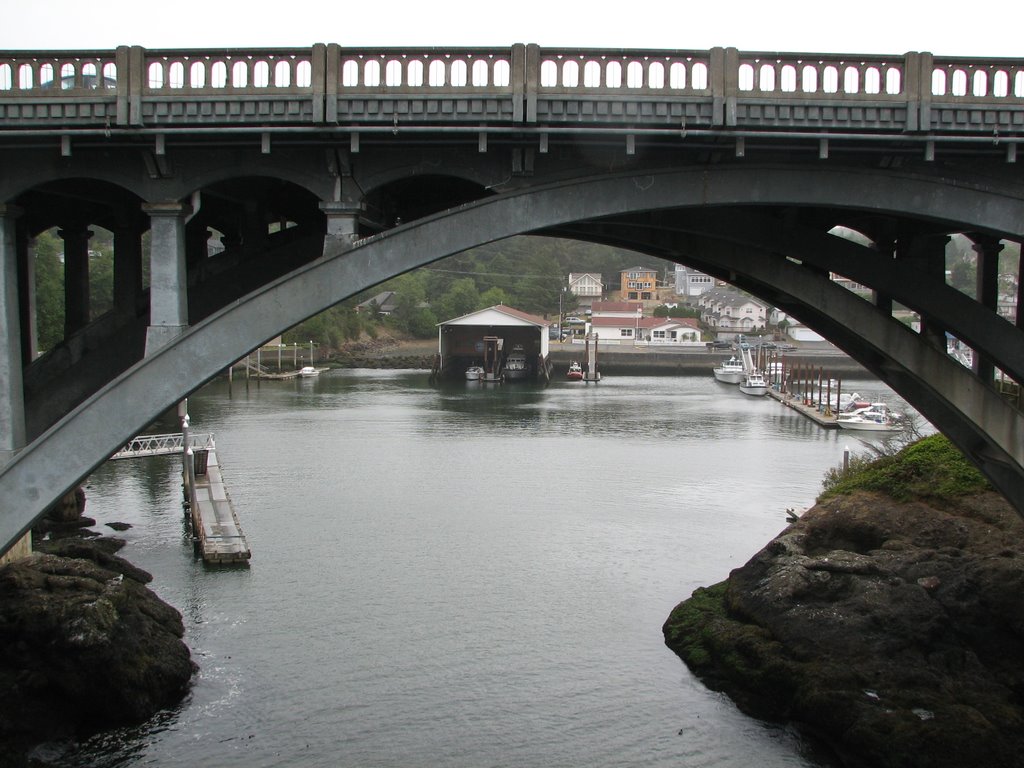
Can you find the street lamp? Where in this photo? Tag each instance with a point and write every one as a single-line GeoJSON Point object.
{"type": "Point", "coordinates": [310, 351]}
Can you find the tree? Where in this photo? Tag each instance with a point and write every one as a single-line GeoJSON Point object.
{"type": "Point", "coordinates": [49, 272]}
{"type": "Point", "coordinates": [460, 299]}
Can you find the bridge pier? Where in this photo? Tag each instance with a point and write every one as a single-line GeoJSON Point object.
{"type": "Point", "coordinates": [76, 277]}
{"type": "Point", "coordinates": [12, 395]}
{"type": "Point", "coordinates": [987, 294]}
{"type": "Point", "coordinates": [168, 288]}
{"type": "Point", "coordinates": [342, 224]}
{"type": "Point", "coordinates": [127, 267]}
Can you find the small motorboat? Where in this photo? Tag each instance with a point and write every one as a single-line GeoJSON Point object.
{"type": "Point", "coordinates": [754, 384]}
{"type": "Point", "coordinates": [474, 373]}
{"type": "Point", "coordinates": [309, 370]}
{"type": "Point", "coordinates": [575, 372]}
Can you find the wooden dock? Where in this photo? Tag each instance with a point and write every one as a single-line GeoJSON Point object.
{"type": "Point", "coordinates": [810, 411]}
{"type": "Point", "coordinates": [215, 528]}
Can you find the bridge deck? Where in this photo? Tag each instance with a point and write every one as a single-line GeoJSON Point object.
{"type": "Point", "coordinates": [218, 533]}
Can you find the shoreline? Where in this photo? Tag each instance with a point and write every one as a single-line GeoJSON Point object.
{"type": "Point", "coordinates": [612, 359]}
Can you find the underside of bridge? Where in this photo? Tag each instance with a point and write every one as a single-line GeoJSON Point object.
{"type": "Point", "coordinates": [261, 254]}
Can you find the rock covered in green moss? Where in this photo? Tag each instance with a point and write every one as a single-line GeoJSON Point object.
{"type": "Point", "coordinates": [893, 629]}
{"type": "Point", "coordinates": [84, 645]}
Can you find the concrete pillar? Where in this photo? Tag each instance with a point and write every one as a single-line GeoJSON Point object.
{"type": "Point", "coordinates": [168, 293]}
{"type": "Point", "coordinates": [127, 268]}
{"type": "Point", "coordinates": [12, 393]}
{"type": "Point", "coordinates": [988, 249]}
{"type": "Point", "coordinates": [76, 277]}
{"type": "Point", "coordinates": [1019, 319]}
{"type": "Point", "coordinates": [929, 255]}
{"type": "Point", "coordinates": [882, 300]}
{"type": "Point", "coordinates": [342, 225]}
{"type": "Point", "coordinates": [27, 297]}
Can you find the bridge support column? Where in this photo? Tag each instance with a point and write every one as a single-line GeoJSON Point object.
{"type": "Point", "coordinates": [988, 249]}
{"type": "Point", "coordinates": [929, 255]}
{"type": "Point", "coordinates": [342, 225]}
{"type": "Point", "coordinates": [27, 297]}
{"type": "Point", "coordinates": [127, 268]}
{"type": "Point", "coordinates": [12, 393]}
{"type": "Point", "coordinates": [76, 277]}
{"type": "Point", "coordinates": [168, 291]}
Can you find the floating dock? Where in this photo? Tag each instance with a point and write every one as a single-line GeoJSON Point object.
{"type": "Point", "coordinates": [828, 421]}
{"type": "Point", "coordinates": [215, 528]}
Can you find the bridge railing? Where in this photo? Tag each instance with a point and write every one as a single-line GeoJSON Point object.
{"type": "Point", "coordinates": [499, 88]}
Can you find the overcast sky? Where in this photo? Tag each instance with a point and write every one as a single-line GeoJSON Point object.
{"type": "Point", "coordinates": [973, 28]}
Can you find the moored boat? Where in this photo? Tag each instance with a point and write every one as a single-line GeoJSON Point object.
{"type": "Point", "coordinates": [515, 364]}
{"type": "Point", "coordinates": [754, 384]}
{"type": "Point", "coordinates": [875, 418]}
{"type": "Point", "coordinates": [730, 371]}
{"type": "Point", "coordinates": [474, 373]}
{"type": "Point", "coordinates": [308, 371]}
{"type": "Point", "coordinates": [575, 372]}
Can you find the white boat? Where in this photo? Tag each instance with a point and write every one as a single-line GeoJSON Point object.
{"type": "Point", "coordinates": [474, 373]}
{"type": "Point", "coordinates": [875, 418]}
{"type": "Point", "coordinates": [730, 371]}
{"type": "Point", "coordinates": [754, 384]}
{"type": "Point", "coordinates": [308, 371]}
{"type": "Point", "coordinates": [515, 364]}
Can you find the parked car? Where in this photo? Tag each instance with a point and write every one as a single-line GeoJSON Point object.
{"type": "Point", "coordinates": [719, 344]}
{"type": "Point", "coordinates": [573, 319]}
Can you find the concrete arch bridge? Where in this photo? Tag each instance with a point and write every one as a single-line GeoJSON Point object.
{"type": "Point", "coordinates": [323, 172]}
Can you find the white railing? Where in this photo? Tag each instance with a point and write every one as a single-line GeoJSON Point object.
{"type": "Point", "coordinates": [162, 445]}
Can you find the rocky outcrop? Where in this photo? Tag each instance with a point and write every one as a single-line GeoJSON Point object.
{"type": "Point", "coordinates": [895, 630]}
{"type": "Point", "coordinates": [84, 645]}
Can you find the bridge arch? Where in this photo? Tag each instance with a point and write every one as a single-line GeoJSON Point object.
{"type": "Point", "coordinates": [615, 207]}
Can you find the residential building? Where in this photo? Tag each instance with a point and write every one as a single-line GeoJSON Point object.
{"type": "Point", "coordinates": [654, 330]}
{"type": "Point", "coordinates": [638, 283]}
{"type": "Point", "coordinates": [690, 283]}
{"type": "Point", "coordinates": [587, 287]}
{"type": "Point", "coordinates": [384, 301]}
{"type": "Point", "coordinates": [726, 309]}
{"type": "Point", "coordinates": [617, 309]}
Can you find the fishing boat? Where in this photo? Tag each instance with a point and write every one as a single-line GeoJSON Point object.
{"type": "Point", "coordinates": [754, 384]}
{"type": "Point", "coordinates": [575, 372]}
{"type": "Point", "coordinates": [875, 418]}
{"type": "Point", "coordinates": [515, 364]}
{"type": "Point", "coordinates": [730, 371]}
{"type": "Point", "coordinates": [474, 373]}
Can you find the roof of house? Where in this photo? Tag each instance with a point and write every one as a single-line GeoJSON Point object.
{"type": "Point", "coordinates": [639, 269]}
{"type": "Point", "coordinates": [616, 306]}
{"type": "Point", "coordinates": [385, 301]}
{"type": "Point", "coordinates": [511, 312]}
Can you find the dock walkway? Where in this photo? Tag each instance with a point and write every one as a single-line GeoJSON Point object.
{"type": "Point", "coordinates": [218, 534]}
{"type": "Point", "coordinates": [810, 411]}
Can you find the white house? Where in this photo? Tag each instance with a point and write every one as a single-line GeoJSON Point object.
{"type": "Point", "coordinates": [728, 310]}
{"type": "Point", "coordinates": [586, 286]}
{"type": "Point", "coordinates": [654, 330]}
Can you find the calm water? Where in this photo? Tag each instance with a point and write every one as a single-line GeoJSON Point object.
{"type": "Point", "coordinates": [463, 577]}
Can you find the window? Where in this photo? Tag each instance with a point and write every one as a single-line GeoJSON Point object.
{"type": "Point", "coordinates": [660, 334]}
{"type": "Point", "coordinates": [626, 333]}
